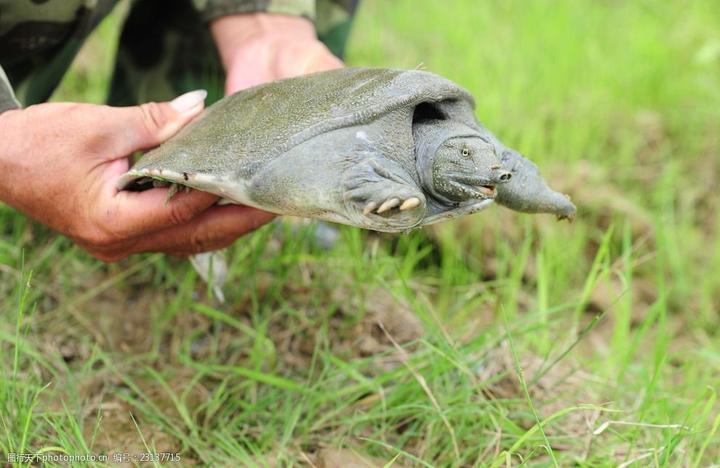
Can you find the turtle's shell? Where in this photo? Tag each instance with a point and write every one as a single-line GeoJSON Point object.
{"type": "Point", "coordinates": [240, 133]}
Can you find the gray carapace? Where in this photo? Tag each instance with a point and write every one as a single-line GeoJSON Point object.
{"type": "Point", "coordinates": [387, 150]}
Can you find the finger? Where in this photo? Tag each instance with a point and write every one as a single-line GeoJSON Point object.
{"type": "Point", "coordinates": [237, 80]}
{"type": "Point", "coordinates": [147, 125]}
{"type": "Point", "coordinates": [133, 214]}
{"type": "Point", "coordinates": [214, 229]}
{"type": "Point", "coordinates": [322, 61]}
{"type": "Point", "coordinates": [303, 59]}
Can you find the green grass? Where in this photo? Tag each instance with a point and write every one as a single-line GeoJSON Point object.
{"type": "Point", "coordinates": [586, 344]}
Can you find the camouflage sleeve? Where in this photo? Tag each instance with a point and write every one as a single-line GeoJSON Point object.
{"type": "Point", "coordinates": [7, 96]}
{"type": "Point", "coordinates": [211, 9]}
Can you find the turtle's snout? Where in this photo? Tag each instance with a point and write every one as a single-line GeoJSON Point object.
{"type": "Point", "coordinates": [500, 175]}
{"type": "Point", "coordinates": [497, 176]}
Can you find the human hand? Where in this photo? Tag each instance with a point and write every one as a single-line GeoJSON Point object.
{"type": "Point", "coordinates": [60, 163]}
{"type": "Point", "coordinates": [260, 47]}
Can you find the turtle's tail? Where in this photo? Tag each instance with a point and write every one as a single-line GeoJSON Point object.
{"type": "Point", "coordinates": [528, 192]}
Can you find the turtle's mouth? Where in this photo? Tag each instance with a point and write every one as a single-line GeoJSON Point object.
{"type": "Point", "coordinates": [489, 191]}
{"type": "Point", "coordinates": [479, 187]}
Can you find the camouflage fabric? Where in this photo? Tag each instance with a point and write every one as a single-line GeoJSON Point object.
{"type": "Point", "coordinates": [180, 55]}
{"type": "Point", "coordinates": [333, 19]}
{"type": "Point", "coordinates": [163, 51]}
{"type": "Point", "coordinates": [211, 9]}
{"type": "Point", "coordinates": [7, 96]}
{"type": "Point", "coordinates": [38, 40]}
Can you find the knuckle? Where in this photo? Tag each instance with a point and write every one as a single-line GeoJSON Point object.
{"type": "Point", "coordinates": [203, 240]}
{"type": "Point", "coordinates": [180, 214]}
{"type": "Point", "coordinates": [153, 117]}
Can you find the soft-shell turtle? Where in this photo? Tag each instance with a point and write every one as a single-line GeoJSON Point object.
{"type": "Point", "coordinates": [387, 150]}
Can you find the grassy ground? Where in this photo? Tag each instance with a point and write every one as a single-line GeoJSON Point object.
{"type": "Point", "coordinates": [493, 340]}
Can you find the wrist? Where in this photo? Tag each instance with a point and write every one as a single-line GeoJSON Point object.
{"type": "Point", "coordinates": [233, 33]}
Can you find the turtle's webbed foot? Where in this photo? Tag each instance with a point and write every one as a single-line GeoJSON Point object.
{"type": "Point", "coordinates": [379, 189]}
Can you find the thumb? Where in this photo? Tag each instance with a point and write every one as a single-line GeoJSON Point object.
{"type": "Point", "coordinates": [150, 124]}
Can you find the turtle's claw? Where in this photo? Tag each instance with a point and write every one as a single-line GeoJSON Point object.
{"type": "Point", "coordinates": [369, 208]}
{"type": "Point", "coordinates": [376, 191]}
{"type": "Point", "coordinates": [388, 204]}
{"type": "Point", "coordinates": [402, 204]}
{"type": "Point", "coordinates": [410, 203]}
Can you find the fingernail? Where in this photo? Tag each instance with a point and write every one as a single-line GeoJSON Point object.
{"type": "Point", "coordinates": [188, 101]}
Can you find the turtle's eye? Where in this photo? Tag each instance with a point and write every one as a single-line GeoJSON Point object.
{"type": "Point", "coordinates": [465, 152]}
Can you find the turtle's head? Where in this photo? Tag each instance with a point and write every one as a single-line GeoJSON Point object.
{"type": "Point", "coordinates": [456, 164]}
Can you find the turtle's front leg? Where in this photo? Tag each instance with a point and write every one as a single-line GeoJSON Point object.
{"type": "Point", "coordinates": [379, 192]}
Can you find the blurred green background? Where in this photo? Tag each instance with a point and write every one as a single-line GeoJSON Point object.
{"type": "Point", "coordinates": [515, 338]}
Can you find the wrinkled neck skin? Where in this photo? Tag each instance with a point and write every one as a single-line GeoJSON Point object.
{"type": "Point", "coordinates": [429, 136]}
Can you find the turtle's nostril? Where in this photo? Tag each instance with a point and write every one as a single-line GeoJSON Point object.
{"type": "Point", "coordinates": [504, 176]}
